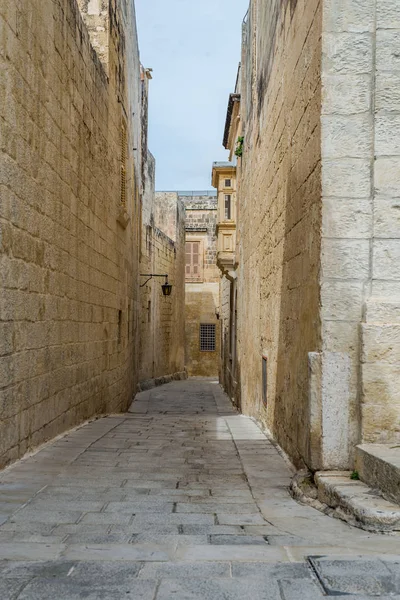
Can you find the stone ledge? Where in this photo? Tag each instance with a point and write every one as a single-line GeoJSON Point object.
{"type": "Point", "coordinates": [148, 384]}
{"type": "Point", "coordinates": [379, 467]}
{"type": "Point", "coordinates": [336, 495]}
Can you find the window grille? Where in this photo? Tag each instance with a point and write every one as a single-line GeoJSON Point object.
{"type": "Point", "coordinates": [228, 183]}
{"type": "Point", "coordinates": [207, 337]}
{"type": "Point", "coordinates": [228, 207]}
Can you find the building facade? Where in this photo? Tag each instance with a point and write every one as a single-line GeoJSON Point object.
{"type": "Point", "coordinates": [74, 158]}
{"type": "Point", "coordinates": [224, 180]}
{"type": "Point", "coordinates": [162, 318]}
{"type": "Point", "coordinates": [202, 328]}
{"type": "Point", "coordinates": [314, 126]}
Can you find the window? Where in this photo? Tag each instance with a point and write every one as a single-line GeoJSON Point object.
{"type": "Point", "coordinates": [228, 183]}
{"type": "Point", "coordinates": [228, 207]}
{"type": "Point", "coordinates": [264, 378]}
{"type": "Point", "coordinates": [193, 266]}
{"type": "Point", "coordinates": [207, 337]}
{"type": "Point", "coordinates": [119, 331]}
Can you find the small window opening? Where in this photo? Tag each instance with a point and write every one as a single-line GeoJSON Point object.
{"type": "Point", "coordinates": [207, 337]}
{"type": "Point", "coordinates": [264, 378]}
{"type": "Point", "coordinates": [119, 326]}
{"type": "Point", "coordinates": [228, 183]}
{"type": "Point", "coordinates": [149, 311]}
{"type": "Point", "coordinates": [228, 207]}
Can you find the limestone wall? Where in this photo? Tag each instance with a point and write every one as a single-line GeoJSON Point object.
{"type": "Point", "coordinates": [201, 223]}
{"type": "Point", "coordinates": [228, 369]}
{"type": "Point", "coordinates": [280, 214]}
{"type": "Point", "coordinates": [162, 327]}
{"type": "Point", "coordinates": [360, 278]}
{"type": "Point", "coordinates": [202, 302]}
{"type": "Point", "coordinates": [69, 255]}
{"type": "Point", "coordinates": [202, 298]}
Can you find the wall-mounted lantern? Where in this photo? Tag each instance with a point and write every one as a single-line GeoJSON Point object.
{"type": "Point", "coordinates": [166, 287]}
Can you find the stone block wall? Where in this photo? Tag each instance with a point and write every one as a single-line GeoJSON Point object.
{"type": "Point", "coordinates": [201, 304]}
{"type": "Point", "coordinates": [162, 326]}
{"type": "Point", "coordinates": [202, 299]}
{"type": "Point", "coordinates": [319, 225]}
{"type": "Point", "coordinates": [69, 262]}
{"type": "Point", "coordinates": [229, 373]}
{"type": "Point", "coordinates": [201, 222]}
{"type": "Point", "coordinates": [360, 278]}
{"type": "Point", "coordinates": [280, 215]}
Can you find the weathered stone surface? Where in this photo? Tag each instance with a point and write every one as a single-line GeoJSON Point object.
{"type": "Point", "coordinates": [184, 570]}
{"type": "Point", "coordinates": [388, 14]}
{"type": "Point", "coordinates": [341, 300]}
{"type": "Point", "coordinates": [345, 259]}
{"type": "Point", "coordinates": [379, 467]}
{"type": "Point", "coordinates": [161, 355]}
{"type": "Point", "coordinates": [381, 343]}
{"type": "Point", "coordinates": [358, 576]}
{"type": "Point", "coordinates": [217, 589]}
{"type": "Point", "coordinates": [62, 235]}
{"type": "Point", "coordinates": [329, 406]}
{"type": "Point", "coordinates": [347, 53]}
{"type": "Point", "coordinates": [387, 50]}
{"type": "Point", "coordinates": [162, 553]}
{"type": "Point", "coordinates": [347, 218]}
{"type": "Point", "coordinates": [355, 502]}
{"type": "Point", "coordinates": [44, 589]}
{"type": "Point", "coordinates": [347, 135]}
{"type": "Point", "coordinates": [386, 259]}
{"type": "Point", "coordinates": [387, 90]}
{"type": "Point", "coordinates": [387, 176]}
{"type": "Point", "coordinates": [346, 178]}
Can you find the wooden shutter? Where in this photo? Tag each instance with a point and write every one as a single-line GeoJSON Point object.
{"type": "Point", "coordinates": [193, 266]}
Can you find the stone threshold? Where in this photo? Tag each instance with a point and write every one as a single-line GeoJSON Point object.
{"type": "Point", "coordinates": [335, 494]}
{"type": "Point", "coordinates": [378, 466]}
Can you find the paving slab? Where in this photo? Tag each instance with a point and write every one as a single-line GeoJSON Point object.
{"type": "Point", "coordinates": [30, 551]}
{"type": "Point", "coordinates": [232, 552]}
{"type": "Point", "coordinates": [359, 576]}
{"type": "Point", "coordinates": [226, 540]}
{"type": "Point", "coordinates": [10, 588]}
{"type": "Point", "coordinates": [186, 570]}
{"type": "Point", "coordinates": [296, 589]}
{"type": "Point", "coordinates": [124, 552]}
{"type": "Point", "coordinates": [187, 501]}
{"type": "Point", "coordinates": [217, 589]}
{"type": "Point", "coordinates": [50, 589]}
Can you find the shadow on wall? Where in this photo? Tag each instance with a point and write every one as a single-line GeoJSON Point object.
{"type": "Point", "coordinates": [299, 320]}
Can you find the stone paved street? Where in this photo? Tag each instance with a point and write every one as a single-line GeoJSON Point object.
{"type": "Point", "coordinates": [181, 498]}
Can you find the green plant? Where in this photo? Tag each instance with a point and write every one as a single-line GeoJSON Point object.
{"type": "Point", "coordinates": [355, 475]}
{"type": "Point", "coordinates": [239, 146]}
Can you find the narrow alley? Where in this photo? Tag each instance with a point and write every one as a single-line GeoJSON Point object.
{"type": "Point", "coordinates": [180, 498]}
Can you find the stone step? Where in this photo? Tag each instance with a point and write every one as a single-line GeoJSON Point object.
{"type": "Point", "coordinates": [378, 466]}
{"type": "Point", "coordinates": [356, 503]}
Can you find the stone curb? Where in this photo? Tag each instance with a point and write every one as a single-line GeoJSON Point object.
{"type": "Point", "coordinates": [149, 384]}
{"type": "Point", "coordinates": [336, 495]}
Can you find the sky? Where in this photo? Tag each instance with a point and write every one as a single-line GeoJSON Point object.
{"type": "Point", "coordinates": [194, 51]}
